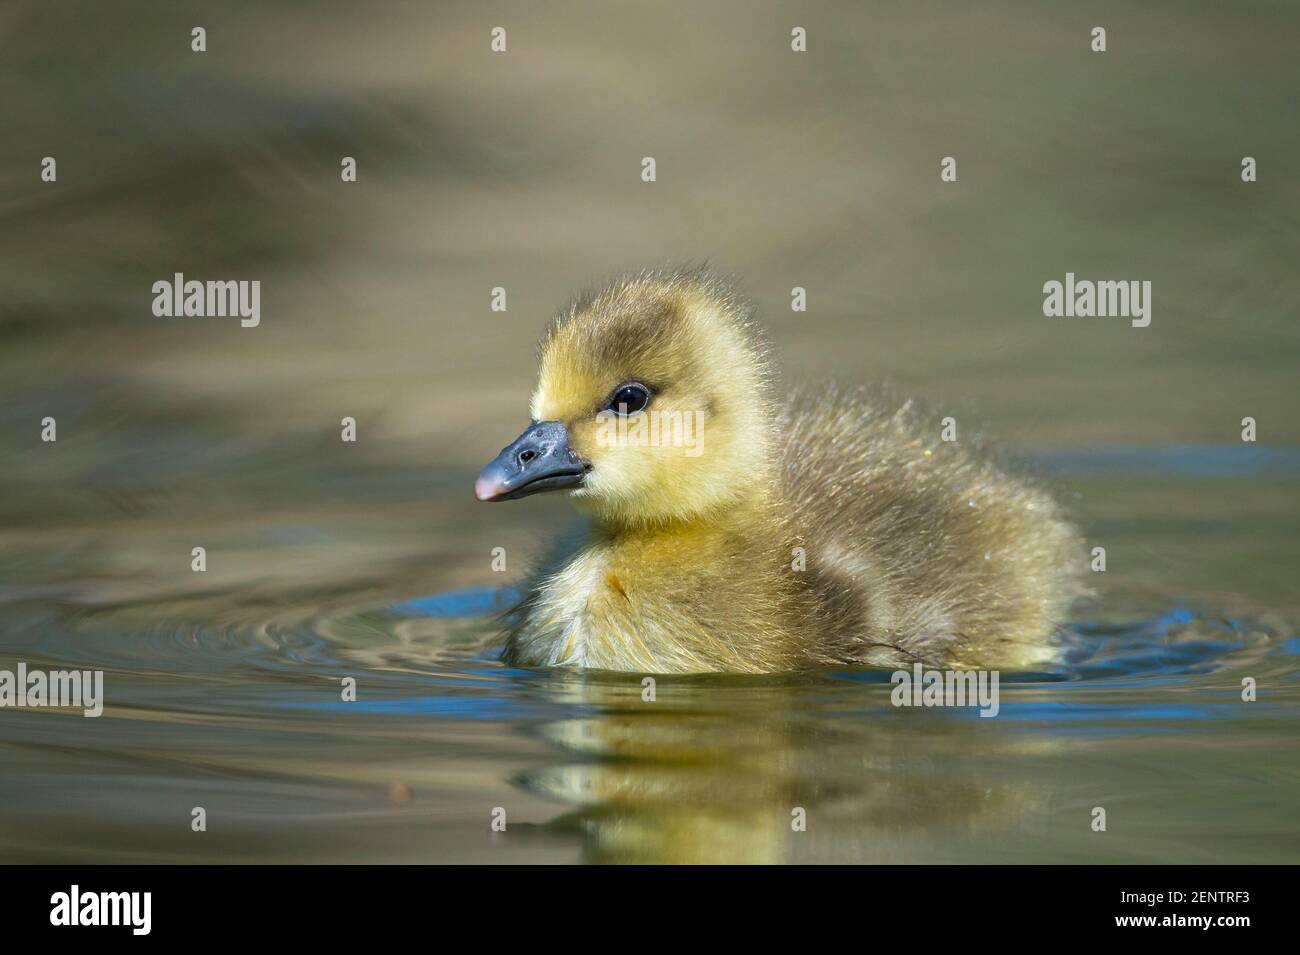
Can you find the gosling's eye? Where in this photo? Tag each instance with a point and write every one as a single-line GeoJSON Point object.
{"type": "Point", "coordinates": [629, 399]}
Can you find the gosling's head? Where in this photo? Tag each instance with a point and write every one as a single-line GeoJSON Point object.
{"type": "Point", "coordinates": [652, 405]}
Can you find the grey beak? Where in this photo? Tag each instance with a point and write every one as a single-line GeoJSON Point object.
{"type": "Point", "coordinates": [538, 460]}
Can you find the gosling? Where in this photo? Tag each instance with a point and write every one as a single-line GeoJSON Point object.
{"type": "Point", "coordinates": [727, 531]}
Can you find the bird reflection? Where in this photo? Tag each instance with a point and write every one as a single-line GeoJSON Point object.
{"type": "Point", "coordinates": [748, 770]}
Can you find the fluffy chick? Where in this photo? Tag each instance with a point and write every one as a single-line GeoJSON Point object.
{"type": "Point", "coordinates": [726, 531]}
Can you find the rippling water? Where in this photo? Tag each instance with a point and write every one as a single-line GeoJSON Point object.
{"type": "Point", "coordinates": [231, 700]}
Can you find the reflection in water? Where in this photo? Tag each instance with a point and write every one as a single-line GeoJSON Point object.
{"type": "Point", "coordinates": [242, 714]}
{"type": "Point", "coordinates": [718, 772]}
{"type": "Point", "coordinates": [714, 769]}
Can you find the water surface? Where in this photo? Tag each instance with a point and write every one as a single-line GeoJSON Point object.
{"type": "Point", "coordinates": [228, 697]}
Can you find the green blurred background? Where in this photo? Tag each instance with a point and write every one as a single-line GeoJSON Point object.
{"type": "Point", "coordinates": [521, 170]}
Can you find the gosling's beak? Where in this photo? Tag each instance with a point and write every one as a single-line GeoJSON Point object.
{"type": "Point", "coordinates": [538, 460]}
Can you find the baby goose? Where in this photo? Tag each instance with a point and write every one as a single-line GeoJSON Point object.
{"type": "Point", "coordinates": [727, 532]}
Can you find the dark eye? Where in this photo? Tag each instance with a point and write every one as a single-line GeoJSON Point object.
{"type": "Point", "coordinates": [629, 399]}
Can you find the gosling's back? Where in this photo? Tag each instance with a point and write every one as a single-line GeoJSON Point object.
{"type": "Point", "coordinates": [921, 548]}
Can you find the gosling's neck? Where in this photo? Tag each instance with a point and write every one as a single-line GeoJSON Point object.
{"type": "Point", "coordinates": [748, 509]}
